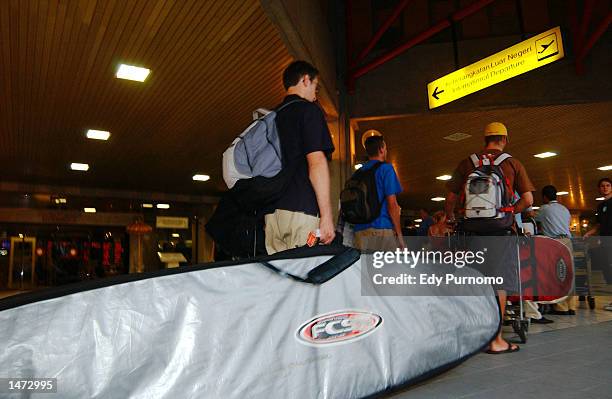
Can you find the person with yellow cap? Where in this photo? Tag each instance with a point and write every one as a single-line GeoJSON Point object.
{"type": "Point", "coordinates": [501, 259]}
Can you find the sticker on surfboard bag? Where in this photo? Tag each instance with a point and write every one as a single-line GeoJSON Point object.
{"type": "Point", "coordinates": [338, 327]}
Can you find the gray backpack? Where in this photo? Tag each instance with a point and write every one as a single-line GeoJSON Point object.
{"type": "Point", "coordinates": [256, 152]}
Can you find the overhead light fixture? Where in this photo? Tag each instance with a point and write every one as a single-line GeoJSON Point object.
{"type": "Point", "coordinates": [163, 206]}
{"type": "Point", "coordinates": [607, 167]}
{"type": "Point", "coordinates": [444, 177]}
{"type": "Point", "coordinates": [201, 177]}
{"type": "Point", "coordinates": [535, 208]}
{"type": "Point", "coordinates": [20, 235]}
{"type": "Point", "coordinates": [417, 225]}
{"type": "Point", "coordinates": [131, 72]}
{"type": "Point", "coordinates": [89, 210]}
{"type": "Point", "coordinates": [562, 193]}
{"type": "Point", "coordinates": [358, 166]}
{"type": "Point", "coordinates": [545, 154]}
{"type": "Point", "coordinates": [418, 220]}
{"type": "Point", "coordinates": [585, 225]}
{"type": "Point", "coordinates": [79, 166]}
{"type": "Point", "coordinates": [599, 199]}
{"type": "Point", "coordinates": [438, 199]}
{"type": "Point", "coordinates": [147, 205]}
{"type": "Point", "coordinates": [98, 134]}
{"type": "Point", "coordinates": [176, 235]}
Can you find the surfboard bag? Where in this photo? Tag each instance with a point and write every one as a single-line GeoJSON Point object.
{"type": "Point", "coordinates": [296, 327]}
{"type": "Point", "coordinates": [547, 269]}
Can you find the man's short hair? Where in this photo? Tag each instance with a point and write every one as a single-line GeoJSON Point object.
{"type": "Point", "coordinates": [373, 145]}
{"type": "Point", "coordinates": [604, 179]}
{"type": "Point", "coordinates": [493, 139]}
{"type": "Point", "coordinates": [296, 70]}
{"type": "Point", "coordinates": [550, 192]}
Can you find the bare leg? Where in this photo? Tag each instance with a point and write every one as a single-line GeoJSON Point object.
{"type": "Point", "coordinates": [499, 343]}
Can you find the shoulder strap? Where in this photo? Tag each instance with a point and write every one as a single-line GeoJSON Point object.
{"type": "Point", "coordinates": [375, 167]}
{"type": "Point", "coordinates": [475, 160]}
{"type": "Point", "coordinates": [283, 106]}
{"type": "Point", "coordinates": [501, 158]}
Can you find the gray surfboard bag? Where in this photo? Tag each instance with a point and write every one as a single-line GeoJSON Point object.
{"type": "Point", "coordinates": [296, 327]}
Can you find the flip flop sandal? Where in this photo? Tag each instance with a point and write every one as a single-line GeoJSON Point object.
{"type": "Point", "coordinates": [509, 350]}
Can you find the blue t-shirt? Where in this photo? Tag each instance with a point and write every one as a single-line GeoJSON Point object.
{"type": "Point", "coordinates": [387, 184]}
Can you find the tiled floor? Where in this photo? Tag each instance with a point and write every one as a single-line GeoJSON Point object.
{"type": "Point", "coordinates": [571, 358]}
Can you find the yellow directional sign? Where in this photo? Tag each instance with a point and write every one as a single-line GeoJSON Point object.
{"type": "Point", "coordinates": [530, 54]}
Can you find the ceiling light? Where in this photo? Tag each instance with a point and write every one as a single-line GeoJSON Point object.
{"type": "Point", "coordinates": [147, 205]}
{"type": "Point", "coordinates": [545, 155]}
{"type": "Point", "coordinates": [79, 166]}
{"type": "Point", "coordinates": [358, 166]}
{"type": "Point", "coordinates": [599, 199]}
{"type": "Point", "coordinates": [444, 177]}
{"type": "Point", "coordinates": [585, 225]}
{"type": "Point", "coordinates": [607, 167]}
{"type": "Point", "coordinates": [163, 206]}
{"type": "Point", "coordinates": [176, 235]}
{"type": "Point", "coordinates": [98, 134]}
{"type": "Point", "coordinates": [418, 220]}
{"type": "Point", "coordinates": [89, 210]}
{"type": "Point", "coordinates": [131, 72]}
{"type": "Point", "coordinates": [562, 193]}
{"type": "Point", "coordinates": [417, 225]}
{"type": "Point", "coordinates": [535, 208]}
{"type": "Point", "coordinates": [201, 177]}
{"type": "Point", "coordinates": [438, 199]}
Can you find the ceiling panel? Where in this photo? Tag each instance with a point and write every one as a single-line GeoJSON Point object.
{"type": "Point", "coordinates": [212, 63]}
{"type": "Point", "coordinates": [580, 133]}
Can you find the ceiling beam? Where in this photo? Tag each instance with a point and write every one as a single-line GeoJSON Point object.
{"type": "Point", "coordinates": [105, 193]}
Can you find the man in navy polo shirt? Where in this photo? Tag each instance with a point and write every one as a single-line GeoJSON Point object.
{"type": "Point", "coordinates": [305, 205]}
{"type": "Point", "coordinates": [385, 232]}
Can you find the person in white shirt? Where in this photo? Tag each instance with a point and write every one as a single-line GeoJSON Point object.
{"type": "Point", "coordinates": [554, 222]}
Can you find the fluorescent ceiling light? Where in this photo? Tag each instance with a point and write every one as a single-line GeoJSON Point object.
{"type": "Point", "coordinates": [607, 167]}
{"type": "Point", "coordinates": [79, 166]}
{"type": "Point", "coordinates": [444, 177]}
{"type": "Point", "coordinates": [562, 193]}
{"type": "Point", "coordinates": [131, 72]}
{"type": "Point", "coordinates": [418, 220]}
{"type": "Point", "coordinates": [163, 206]}
{"type": "Point", "coordinates": [201, 177]}
{"type": "Point", "coordinates": [89, 210]}
{"type": "Point", "coordinates": [147, 205]}
{"type": "Point", "coordinates": [358, 166]}
{"type": "Point", "coordinates": [545, 155]}
{"type": "Point", "coordinates": [98, 134]}
{"type": "Point", "coordinates": [438, 199]}
{"type": "Point", "coordinates": [599, 199]}
{"type": "Point", "coordinates": [535, 208]}
{"type": "Point", "coordinates": [176, 235]}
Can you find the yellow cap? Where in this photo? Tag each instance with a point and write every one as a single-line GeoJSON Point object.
{"type": "Point", "coordinates": [495, 129]}
{"type": "Point", "coordinates": [368, 134]}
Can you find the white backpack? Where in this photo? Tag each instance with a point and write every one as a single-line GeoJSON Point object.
{"type": "Point", "coordinates": [488, 197]}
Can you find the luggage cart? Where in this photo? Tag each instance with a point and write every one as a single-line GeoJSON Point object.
{"type": "Point", "coordinates": [514, 313]}
{"type": "Point", "coordinates": [582, 266]}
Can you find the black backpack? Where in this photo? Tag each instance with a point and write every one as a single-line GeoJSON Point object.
{"type": "Point", "coordinates": [359, 201]}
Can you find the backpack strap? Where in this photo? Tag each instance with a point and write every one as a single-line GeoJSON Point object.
{"type": "Point", "coordinates": [501, 158]}
{"type": "Point", "coordinates": [475, 160]}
